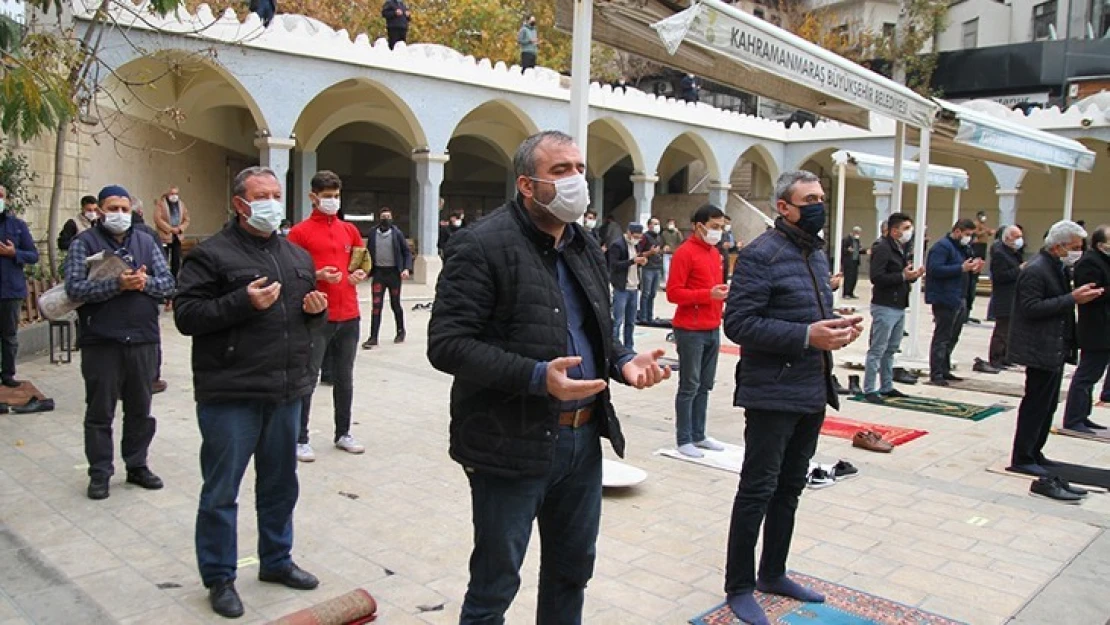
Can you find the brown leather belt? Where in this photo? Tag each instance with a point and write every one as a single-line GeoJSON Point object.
{"type": "Point", "coordinates": [576, 418]}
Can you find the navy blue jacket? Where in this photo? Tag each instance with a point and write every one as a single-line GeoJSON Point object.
{"type": "Point", "coordinates": [13, 285]}
{"type": "Point", "coordinates": [945, 278]}
{"type": "Point", "coordinates": [402, 255]}
{"type": "Point", "coordinates": [779, 287]}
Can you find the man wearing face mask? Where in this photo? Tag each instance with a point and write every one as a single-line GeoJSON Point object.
{"type": "Point", "coordinates": [1042, 337]}
{"type": "Point", "coordinates": [780, 313]}
{"type": "Point", "coordinates": [119, 338]}
{"type": "Point", "coordinates": [651, 274]}
{"type": "Point", "coordinates": [248, 298]}
{"type": "Point", "coordinates": [1006, 261]}
{"type": "Point", "coordinates": [625, 263]}
{"type": "Point", "coordinates": [671, 237]}
{"type": "Point", "coordinates": [522, 321]}
{"type": "Point", "coordinates": [331, 242]}
{"type": "Point", "coordinates": [17, 250]}
{"type": "Point", "coordinates": [529, 43]}
{"type": "Point", "coordinates": [946, 289]}
{"type": "Point", "coordinates": [589, 224]}
{"type": "Point", "coordinates": [697, 290]}
{"type": "Point", "coordinates": [391, 263]}
{"type": "Point", "coordinates": [171, 218]}
{"type": "Point", "coordinates": [850, 252]}
{"type": "Point", "coordinates": [84, 220]}
{"type": "Point", "coordinates": [1093, 336]}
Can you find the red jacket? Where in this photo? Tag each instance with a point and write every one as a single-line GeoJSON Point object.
{"type": "Point", "coordinates": [695, 269]}
{"type": "Point", "coordinates": [329, 241]}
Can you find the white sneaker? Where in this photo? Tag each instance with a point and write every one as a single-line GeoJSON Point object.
{"type": "Point", "coordinates": [305, 453]}
{"type": "Point", "coordinates": [710, 444]}
{"type": "Point", "coordinates": [690, 451]}
{"type": "Point", "coordinates": [348, 444]}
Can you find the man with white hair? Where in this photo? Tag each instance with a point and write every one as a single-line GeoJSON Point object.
{"type": "Point", "coordinates": [1042, 337]}
{"type": "Point", "coordinates": [1006, 261]}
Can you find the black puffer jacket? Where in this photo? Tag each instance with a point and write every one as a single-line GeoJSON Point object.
{"type": "Point", "coordinates": [1094, 317]}
{"type": "Point", "coordinates": [1005, 267]}
{"type": "Point", "coordinates": [890, 287]}
{"type": "Point", "coordinates": [240, 353]}
{"type": "Point", "coordinates": [498, 312]}
{"type": "Point", "coordinates": [1042, 328]}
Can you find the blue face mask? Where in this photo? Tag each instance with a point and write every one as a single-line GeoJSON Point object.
{"type": "Point", "coordinates": [813, 218]}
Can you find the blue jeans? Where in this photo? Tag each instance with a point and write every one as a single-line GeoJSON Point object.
{"type": "Point", "coordinates": [649, 286]}
{"type": "Point", "coordinates": [624, 313]}
{"type": "Point", "coordinates": [697, 366]}
{"type": "Point", "coordinates": [887, 324]}
{"type": "Point", "coordinates": [1093, 364]}
{"type": "Point", "coordinates": [231, 432]}
{"type": "Point", "coordinates": [567, 502]}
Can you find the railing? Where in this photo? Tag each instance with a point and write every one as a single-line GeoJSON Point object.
{"type": "Point", "coordinates": [35, 287]}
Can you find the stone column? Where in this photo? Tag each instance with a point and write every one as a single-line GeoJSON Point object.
{"type": "Point", "coordinates": [882, 192]}
{"type": "Point", "coordinates": [1007, 206]}
{"type": "Point", "coordinates": [429, 175]}
{"type": "Point", "coordinates": [273, 152]}
{"type": "Point", "coordinates": [718, 195]}
{"type": "Point", "coordinates": [304, 167]}
{"type": "Point", "coordinates": [643, 189]}
{"type": "Point", "coordinates": [597, 195]}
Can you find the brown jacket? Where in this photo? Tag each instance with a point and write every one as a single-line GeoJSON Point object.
{"type": "Point", "coordinates": [162, 219]}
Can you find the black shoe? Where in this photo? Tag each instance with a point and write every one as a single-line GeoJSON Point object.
{"type": "Point", "coordinates": [98, 488]}
{"type": "Point", "coordinates": [34, 405]}
{"type": "Point", "coordinates": [293, 577]}
{"type": "Point", "coordinates": [225, 600]}
{"type": "Point", "coordinates": [11, 383]}
{"type": "Point", "coordinates": [400, 338]}
{"type": "Point", "coordinates": [1093, 425]}
{"type": "Point", "coordinates": [952, 378]}
{"type": "Point", "coordinates": [938, 381]}
{"type": "Point", "coordinates": [1035, 470]}
{"type": "Point", "coordinates": [894, 393]}
{"type": "Point", "coordinates": [983, 366]}
{"type": "Point", "coordinates": [1080, 428]}
{"type": "Point", "coordinates": [853, 385]}
{"type": "Point", "coordinates": [145, 478]}
{"type": "Point", "coordinates": [370, 343]}
{"type": "Point", "coordinates": [1045, 462]}
{"type": "Point", "coordinates": [844, 469]}
{"type": "Point", "coordinates": [873, 398]}
{"type": "Point", "coordinates": [973, 320]}
{"type": "Point", "coordinates": [1050, 488]}
{"type": "Point", "coordinates": [902, 376]}
{"type": "Point", "coordinates": [1075, 490]}
{"type": "Point", "coordinates": [840, 390]}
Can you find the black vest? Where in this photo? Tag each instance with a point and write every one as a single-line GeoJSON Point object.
{"type": "Point", "coordinates": [132, 316]}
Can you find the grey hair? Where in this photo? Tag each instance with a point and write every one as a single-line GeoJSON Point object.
{"type": "Point", "coordinates": [1008, 231]}
{"type": "Point", "coordinates": [1062, 232]}
{"type": "Point", "coordinates": [524, 162]}
{"type": "Point", "coordinates": [784, 186]}
{"type": "Point", "coordinates": [239, 185]}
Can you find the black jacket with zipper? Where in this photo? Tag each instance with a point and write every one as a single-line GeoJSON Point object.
{"type": "Point", "coordinates": [1042, 328]}
{"type": "Point", "coordinates": [240, 353]}
{"type": "Point", "coordinates": [889, 285]}
{"type": "Point", "coordinates": [1094, 317]}
{"type": "Point", "coordinates": [620, 259]}
{"type": "Point", "coordinates": [1005, 267]}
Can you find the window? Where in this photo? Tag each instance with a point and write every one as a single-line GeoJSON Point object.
{"type": "Point", "coordinates": [971, 34]}
{"type": "Point", "coordinates": [1044, 20]}
{"type": "Point", "coordinates": [759, 13]}
{"type": "Point", "coordinates": [889, 30]}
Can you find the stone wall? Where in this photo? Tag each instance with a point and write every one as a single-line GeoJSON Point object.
{"type": "Point", "coordinates": [40, 158]}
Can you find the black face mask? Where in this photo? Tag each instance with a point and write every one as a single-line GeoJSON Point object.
{"type": "Point", "coordinates": [813, 218]}
{"type": "Point", "coordinates": [385, 224]}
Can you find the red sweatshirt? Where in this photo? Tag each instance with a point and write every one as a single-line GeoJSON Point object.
{"type": "Point", "coordinates": [695, 269]}
{"type": "Point", "coordinates": [329, 241]}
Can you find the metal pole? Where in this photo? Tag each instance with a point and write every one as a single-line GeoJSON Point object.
{"type": "Point", "coordinates": [1069, 192]}
{"type": "Point", "coordinates": [899, 156]}
{"type": "Point", "coordinates": [838, 234]}
{"type": "Point", "coordinates": [919, 242]}
{"type": "Point", "coordinates": [956, 208]}
{"type": "Point", "coordinates": [580, 72]}
{"type": "Point", "coordinates": [1064, 79]}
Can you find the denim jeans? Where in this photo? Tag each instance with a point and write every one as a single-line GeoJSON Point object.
{"type": "Point", "coordinates": [1092, 366]}
{"type": "Point", "coordinates": [697, 366]}
{"type": "Point", "coordinates": [777, 449]}
{"type": "Point", "coordinates": [886, 335]}
{"type": "Point", "coordinates": [339, 340]}
{"type": "Point", "coordinates": [231, 432]}
{"type": "Point", "coordinates": [948, 323]}
{"type": "Point", "coordinates": [567, 503]}
{"type": "Point", "coordinates": [649, 287]}
{"type": "Point", "coordinates": [624, 313]}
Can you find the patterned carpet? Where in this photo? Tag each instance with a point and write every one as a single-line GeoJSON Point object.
{"type": "Point", "coordinates": [843, 606]}
{"type": "Point", "coordinates": [957, 409]}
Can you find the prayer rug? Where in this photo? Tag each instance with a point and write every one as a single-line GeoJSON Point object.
{"type": "Point", "coordinates": [1101, 436]}
{"type": "Point", "coordinates": [843, 606]}
{"type": "Point", "coordinates": [732, 350]}
{"type": "Point", "coordinates": [931, 405]}
{"type": "Point", "coordinates": [20, 395]}
{"type": "Point", "coordinates": [847, 428]}
{"type": "Point", "coordinates": [731, 459]}
{"type": "Point", "coordinates": [1092, 478]}
{"type": "Point", "coordinates": [354, 608]}
{"type": "Point", "coordinates": [1009, 389]}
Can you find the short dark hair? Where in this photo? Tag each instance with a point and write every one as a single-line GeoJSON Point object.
{"type": "Point", "coordinates": [964, 224]}
{"type": "Point", "coordinates": [591, 214]}
{"type": "Point", "coordinates": [706, 212]}
{"type": "Point", "coordinates": [897, 219]}
{"type": "Point", "coordinates": [1100, 235]}
{"type": "Point", "coordinates": [88, 199]}
{"type": "Point", "coordinates": [524, 162]}
{"type": "Point", "coordinates": [383, 210]}
{"type": "Point", "coordinates": [325, 180]}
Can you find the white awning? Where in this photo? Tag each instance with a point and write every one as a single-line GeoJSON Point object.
{"type": "Point", "coordinates": [734, 48]}
{"type": "Point", "coordinates": [877, 167]}
{"type": "Point", "coordinates": [964, 131]}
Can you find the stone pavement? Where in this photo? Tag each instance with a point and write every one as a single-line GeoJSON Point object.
{"type": "Point", "coordinates": [925, 525]}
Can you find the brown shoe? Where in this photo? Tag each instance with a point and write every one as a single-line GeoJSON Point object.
{"type": "Point", "coordinates": [871, 441]}
{"type": "Point", "coordinates": [160, 386]}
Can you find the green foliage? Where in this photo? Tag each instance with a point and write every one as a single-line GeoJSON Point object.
{"type": "Point", "coordinates": [16, 176]}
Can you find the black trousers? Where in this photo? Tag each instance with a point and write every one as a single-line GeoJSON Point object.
{"type": "Point", "coordinates": [1000, 341]}
{"type": "Point", "coordinates": [851, 277]}
{"type": "Point", "coordinates": [9, 335]}
{"type": "Point", "coordinates": [386, 279]}
{"type": "Point", "coordinates": [394, 35]}
{"type": "Point", "coordinates": [114, 372]}
{"type": "Point", "coordinates": [947, 325]}
{"type": "Point", "coordinates": [173, 255]}
{"type": "Point", "coordinates": [777, 449]}
{"type": "Point", "coordinates": [527, 59]}
{"type": "Point", "coordinates": [1034, 420]}
{"type": "Point", "coordinates": [972, 285]}
{"type": "Point", "coordinates": [340, 340]}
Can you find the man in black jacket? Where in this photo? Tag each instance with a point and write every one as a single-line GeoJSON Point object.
{"type": "Point", "coordinates": [1042, 337]}
{"type": "Point", "coordinates": [390, 266]}
{"type": "Point", "coordinates": [82, 222]}
{"type": "Point", "coordinates": [851, 251]}
{"type": "Point", "coordinates": [891, 278]}
{"type": "Point", "coordinates": [624, 274]}
{"type": "Point", "coordinates": [1006, 264]}
{"type": "Point", "coordinates": [397, 16]}
{"type": "Point", "coordinates": [521, 320]}
{"type": "Point", "coordinates": [249, 300]}
{"type": "Point", "coordinates": [1093, 334]}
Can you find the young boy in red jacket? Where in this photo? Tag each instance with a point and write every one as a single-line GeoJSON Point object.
{"type": "Point", "coordinates": [330, 241]}
{"type": "Point", "coordinates": [695, 285]}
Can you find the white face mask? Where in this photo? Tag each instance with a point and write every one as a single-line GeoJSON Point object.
{"type": "Point", "coordinates": [572, 198]}
{"type": "Point", "coordinates": [1018, 243]}
{"type": "Point", "coordinates": [905, 237]}
{"type": "Point", "coordinates": [91, 215]}
{"type": "Point", "coordinates": [966, 239]}
{"type": "Point", "coordinates": [329, 205]}
{"type": "Point", "coordinates": [728, 227]}
{"type": "Point", "coordinates": [591, 223]}
{"type": "Point", "coordinates": [173, 198]}
{"type": "Point", "coordinates": [712, 237]}
{"type": "Point", "coordinates": [655, 228]}
{"type": "Point", "coordinates": [670, 227]}
{"type": "Point", "coordinates": [1104, 248]}
{"type": "Point", "coordinates": [1072, 257]}
{"type": "Point", "coordinates": [266, 215]}
{"type": "Point", "coordinates": [117, 223]}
